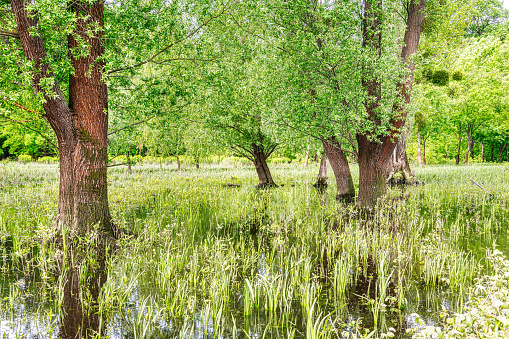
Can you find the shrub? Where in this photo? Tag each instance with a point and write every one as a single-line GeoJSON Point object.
{"type": "Point", "coordinates": [47, 160]}
{"type": "Point", "coordinates": [440, 78]}
{"type": "Point", "coordinates": [24, 158]}
{"type": "Point", "coordinates": [457, 76]}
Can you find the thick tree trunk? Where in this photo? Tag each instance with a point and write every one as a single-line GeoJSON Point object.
{"type": "Point", "coordinates": [262, 169]}
{"type": "Point", "coordinates": [375, 156]}
{"type": "Point", "coordinates": [81, 128]}
{"type": "Point", "coordinates": [321, 180]}
{"type": "Point", "coordinates": [373, 170]}
{"type": "Point", "coordinates": [339, 164]}
{"type": "Point", "coordinates": [400, 161]}
{"type": "Point", "coordinates": [419, 155]}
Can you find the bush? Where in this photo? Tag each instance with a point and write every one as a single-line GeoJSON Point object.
{"type": "Point", "coordinates": [24, 158]}
{"type": "Point", "coordinates": [457, 76]}
{"type": "Point", "coordinates": [440, 78]}
{"type": "Point", "coordinates": [47, 160]}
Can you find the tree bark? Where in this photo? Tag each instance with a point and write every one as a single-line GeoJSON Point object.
{"type": "Point", "coordinates": [400, 161]}
{"type": "Point", "coordinates": [375, 152]}
{"type": "Point", "coordinates": [419, 155]}
{"type": "Point", "coordinates": [339, 164]}
{"type": "Point", "coordinates": [262, 169]}
{"type": "Point", "coordinates": [321, 180]}
{"type": "Point", "coordinates": [81, 128]}
{"type": "Point", "coordinates": [178, 162]}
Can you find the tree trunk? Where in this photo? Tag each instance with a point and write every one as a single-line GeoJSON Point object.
{"type": "Point", "coordinates": [419, 156]}
{"type": "Point", "coordinates": [339, 164]}
{"type": "Point", "coordinates": [197, 162]}
{"type": "Point", "coordinates": [375, 152]}
{"type": "Point", "coordinates": [400, 161]}
{"type": "Point", "coordinates": [260, 162]}
{"type": "Point", "coordinates": [321, 180]}
{"type": "Point", "coordinates": [459, 147]}
{"type": "Point", "coordinates": [373, 170]}
{"type": "Point", "coordinates": [178, 162]}
{"type": "Point", "coordinates": [81, 128]}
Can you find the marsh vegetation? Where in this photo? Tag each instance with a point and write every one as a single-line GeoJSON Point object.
{"type": "Point", "coordinates": [207, 254]}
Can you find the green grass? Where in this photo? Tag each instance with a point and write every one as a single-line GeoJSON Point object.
{"type": "Point", "coordinates": [213, 260]}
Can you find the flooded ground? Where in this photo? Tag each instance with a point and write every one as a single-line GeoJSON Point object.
{"type": "Point", "coordinates": [206, 259]}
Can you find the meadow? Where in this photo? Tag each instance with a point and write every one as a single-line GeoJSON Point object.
{"type": "Point", "coordinates": [205, 254]}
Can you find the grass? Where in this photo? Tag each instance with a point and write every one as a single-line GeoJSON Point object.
{"type": "Point", "coordinates": [211, 260]}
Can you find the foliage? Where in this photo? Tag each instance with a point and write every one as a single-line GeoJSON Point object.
{"type": "Point", "coordinates": [487, 311]}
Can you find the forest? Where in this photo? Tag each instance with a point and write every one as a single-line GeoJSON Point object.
{"type": "Point", "coordinates": [254, 169]}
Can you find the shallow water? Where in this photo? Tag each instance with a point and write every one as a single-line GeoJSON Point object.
{"type": "Point", "coordinates": [29, 304]}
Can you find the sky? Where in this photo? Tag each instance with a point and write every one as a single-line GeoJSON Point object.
{"type": "Point", "coordinates": [506, 4]}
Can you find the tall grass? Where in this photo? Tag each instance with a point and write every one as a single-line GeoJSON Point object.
{"type": "Point", "coordinates": [208, 259]}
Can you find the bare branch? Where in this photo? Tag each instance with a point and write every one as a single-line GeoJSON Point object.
{"type": "Point", "coordinates": [8, 34]}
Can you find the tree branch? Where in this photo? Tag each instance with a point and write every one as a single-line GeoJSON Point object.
{"type": "Point", "coordinates": [152, 58]}
{"type": "Point", "coordinates": [30, 128]}
{"type": "Point", "coordinates": [8, 34]}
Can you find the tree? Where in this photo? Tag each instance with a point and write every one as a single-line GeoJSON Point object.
{"type": "Point", "coordinates": [486, 13]}
{"type": "Point", "coordinates": [375, 151]}
{"type": "Point", "coordinates": [236, 111]}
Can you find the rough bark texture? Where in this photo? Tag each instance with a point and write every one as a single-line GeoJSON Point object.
{"type": "Point", "coordinates": [262, 169]}
{"type": "Point", "coordinates": [339, 164]}
{"type": "Point", "coordinates": [400, 161]}
{"type": "Point", "coordinates": [321, 179]}
{"type": "Point", "coordinates": [81, 129]}
{"type": "Point", "coordinates": [375, 153]}
{"type": "Point", "coordinates": [81, 126]}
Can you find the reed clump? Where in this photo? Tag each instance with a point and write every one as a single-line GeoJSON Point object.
{"type": "Point", "coordinates": [209, 255]}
